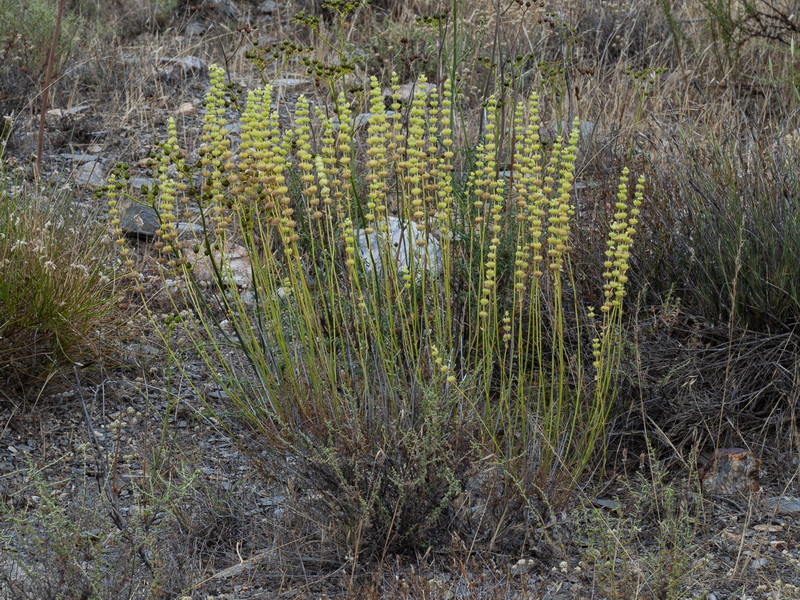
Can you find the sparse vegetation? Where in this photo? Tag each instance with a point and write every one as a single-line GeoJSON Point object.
{"type": "Point", "coordinates": [660, 515]}
{"type": "Point", "coordinates": [375, 344]}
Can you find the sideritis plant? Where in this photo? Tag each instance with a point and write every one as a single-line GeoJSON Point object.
{"type": "Point", "coordinates": [402, 320]}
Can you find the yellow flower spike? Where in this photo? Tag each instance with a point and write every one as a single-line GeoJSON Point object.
{"type": "Point", "coordinates": [214, 153]}
{"type": "Point", "coordinates": [305, 159]}
{"type": "Point", "coordinates": [620, 238]}
{"type": "Point", "coordinates": [376, 150]}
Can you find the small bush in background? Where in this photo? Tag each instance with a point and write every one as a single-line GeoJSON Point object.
{"type": "Point", "coordinates": [58, 545]}
{"type": "Point", "coordinates": [727, 234]}
{"type": "Point", "coordinates": [56, 289]}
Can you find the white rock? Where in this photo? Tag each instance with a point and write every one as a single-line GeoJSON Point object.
{"type": "Point", "coordinates": [403, 250]}
{"type": "Point", "coordinates": [90, 175]}
{"type": "Point", "coordinates": [182, 67]}
{"type": "Point", "coordinates": [291, 83]}
{"type": "Point", "coordinates": [60, 113]}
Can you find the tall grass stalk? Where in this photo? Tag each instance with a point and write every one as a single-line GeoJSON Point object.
{"type": "Point", "coordinates": [459, 337]}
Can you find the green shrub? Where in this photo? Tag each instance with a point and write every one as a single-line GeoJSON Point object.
{"type": "Point", "coordinates": [383, 376]}
{"type": "Point", "coordinates": [56, 290]}
{"type": "Point", "coordinates": [726, 236]}
{"type": "Point", "coordinates": [733, 24]}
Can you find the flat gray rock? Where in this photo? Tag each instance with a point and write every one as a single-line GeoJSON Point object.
{"type": "Point", "coordinates": [78, 158]}
{"type": "Point", "coordinates": [137, 183]}
{"type": "Point", "coordinates": [188, 66]}
{"type": "Point", "coordinates": [139, 221]}
{"type": "Point", "coordinates": [784, 505]}
{"type": "Point", "coordinates": [267, 7]}
{"type": "Point", "coordinates": [195, 28]}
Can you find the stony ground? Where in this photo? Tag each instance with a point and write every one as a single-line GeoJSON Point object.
{"type": "Point", "coordinates": [111, 479]}
{"type": "Point", "coordinates": [121, 483]}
